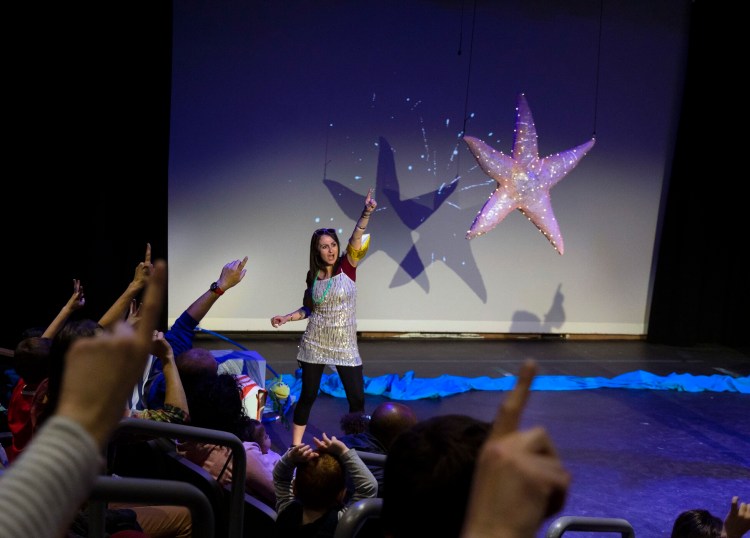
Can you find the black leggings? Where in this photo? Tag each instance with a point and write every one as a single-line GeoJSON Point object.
{"type": "Point", "coordinates": [351, 377]}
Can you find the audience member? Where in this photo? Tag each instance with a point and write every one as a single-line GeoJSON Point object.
{"type": "Point", "coordinates": [519, 479]}
{"type": "Point", "coordinates": [311, 487]}
{"type": "Point", "coordinates": [697, 523]}
{"type": "Point", "coordinates": [388, 421]}
{"type": "Point", "coordinates": [215, 403]}
{"type": "Point", "coordinates": [700, 523]}
{"type": "Point", "coordinates": [454, 475]}
{"type": "Point", "coordinates": [165, 521]}
{"type": "Point", "coordinates": [182, 333]}
{"type": "Point", "coordinates": [429, 471]}
{"type": "Point", "coordinates": [31, 362]}
{"type": "Point", "coordinates": [196, 364]}
{"type": "Point", "coordinates": [175, 408]}
{"type": "Point", "coordinates": [253, 431]}
{"type": "Point", "coordinates": [65, 455]}
{"type": "Point", "coordinates": [47, 393]}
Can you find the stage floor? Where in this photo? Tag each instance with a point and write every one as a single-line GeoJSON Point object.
{"type": "Point", "coordinates": [641, 455]}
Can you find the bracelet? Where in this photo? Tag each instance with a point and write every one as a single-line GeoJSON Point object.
{"type": "Point", "coordinates": [366, 215]}
{"type": "Point", "coordinates": [363, 228]}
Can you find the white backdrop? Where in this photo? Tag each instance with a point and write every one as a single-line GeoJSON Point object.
{"type": "Point", "coordinates": [270, 99]}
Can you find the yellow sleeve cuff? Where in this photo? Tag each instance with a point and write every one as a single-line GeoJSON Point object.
{"type": "Point", "coordinates": [358, 254]}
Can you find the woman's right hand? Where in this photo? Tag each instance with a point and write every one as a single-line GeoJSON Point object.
{"type": "Point", "coordinates": [277, 321]}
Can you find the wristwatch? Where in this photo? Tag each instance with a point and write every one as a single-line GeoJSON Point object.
{"type": "Point", "coordinates": [216, 289]}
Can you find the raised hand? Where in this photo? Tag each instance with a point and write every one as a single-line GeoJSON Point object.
{"type": "Point", "coordinates": [302, 453]}
{"type": "Point", "coordinates": [77, 300]}
{"type": "Point", "coordinates": [232, 273]}
{"type": "Point", "coordinates": [737, 522]}
{"type": "Point", "coordinates": [134, 312]}
{"type": "Point", "coordinates": [144, 269]}
{"type": "Point", "coordinates": [519, 479]}
{"type": "Point", "coordinates": [370, 203]}
{"type": "Point", "coordinates": [161, 348]}
{"type": "Point", "coordinates": [331, 445]}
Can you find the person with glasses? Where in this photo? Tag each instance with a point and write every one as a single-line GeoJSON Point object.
{"type": "Point", "coordinates": [329, 305]}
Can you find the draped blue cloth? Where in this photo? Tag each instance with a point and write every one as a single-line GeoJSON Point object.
{"type": "Point", "coordinates": [409, 387]}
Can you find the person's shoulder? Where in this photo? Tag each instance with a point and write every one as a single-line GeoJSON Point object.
{"type": "Point", "coordinates": [251, 445]}
{"type": "Point", "coordinates": [352, 439]}
{"type": "Point", "coordinates": [364, 441]}
{"type": "Point", "coordinates": [252, 448]}
{"type": "Point", "coordinates": [290, 517]}
{"type": "Point", "coordinates": [323, 527]}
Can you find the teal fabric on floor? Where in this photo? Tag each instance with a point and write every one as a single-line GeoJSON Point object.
{"type": "Point", "coordinates": [410, 387]}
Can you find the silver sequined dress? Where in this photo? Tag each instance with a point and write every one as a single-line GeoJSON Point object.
{"type": "Point", "coordinates": [331, 333]}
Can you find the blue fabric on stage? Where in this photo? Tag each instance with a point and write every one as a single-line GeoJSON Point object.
{"type": "Point", "coordinates": [409, 387]}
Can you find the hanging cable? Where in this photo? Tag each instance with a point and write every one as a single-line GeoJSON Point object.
{"type": "Point", "coordinates": [325, 155]}
{"type": "Point", "coordinates": [598, 64]}
{"type": "Point", "coordinates": [468, 74]}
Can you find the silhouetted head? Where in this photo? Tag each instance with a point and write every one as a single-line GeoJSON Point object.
{"type": "Point", "coordinates": [428, 472]}
{"type": "Point", "coordinates": [31, 359]}
{"type": "Point", "coordinates": [253, 431]}
{"type": "Point", "coordinates": [215, 402]}
{"type": "Point", "coordinates": [389, 420]}
{"type": "Point", "coordinates": [71, 331]}
{"type": "Point", "coordinates": [697, 523]}
{"type": "Point", "coordinates": [196, 362]}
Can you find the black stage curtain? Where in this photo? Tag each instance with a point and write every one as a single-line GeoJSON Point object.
{"type": "Point", "coordinates": [701, 289]}
{"type": "Point", "coordinates": [86, 176]}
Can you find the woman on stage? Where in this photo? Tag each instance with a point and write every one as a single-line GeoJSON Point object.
{"type": "Point", "coordinates": [329, 304]}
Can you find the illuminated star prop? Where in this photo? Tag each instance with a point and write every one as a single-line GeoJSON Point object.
{"type": "Point", "coordinates": [524, 180]}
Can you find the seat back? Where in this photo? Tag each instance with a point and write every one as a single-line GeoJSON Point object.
{"type": "Point", "coordinates": [108, 488]}
{"type": "Point", "coordinates": [177, 467]}
{"type": "Point", "coordinates": [362, 512]}
{"type": "Point", "coordinates": [259, 518]}
{"type": "Point", "coordinates": [229, 520]}
{"type": "Point", "coordinates": [589, 524]}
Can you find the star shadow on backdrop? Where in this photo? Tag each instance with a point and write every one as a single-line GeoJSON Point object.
{"type": "Point", "coordinates": [400, 217]}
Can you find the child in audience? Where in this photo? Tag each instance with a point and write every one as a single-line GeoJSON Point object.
{"type": "Point", "coordinates": [32, 363]}
{"type": "Point", "coordinates": [254, 432]}
{"type": "Point", "coordinates": [311, 487]}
